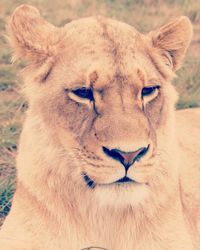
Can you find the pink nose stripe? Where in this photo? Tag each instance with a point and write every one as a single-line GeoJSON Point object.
{"type": "Point", "coordinates": [130, 157]}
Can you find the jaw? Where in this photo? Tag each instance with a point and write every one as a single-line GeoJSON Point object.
{"type": "Point", "coordinates": [121, 195]}
{"type": "Point", "coordinates": [161, 185]}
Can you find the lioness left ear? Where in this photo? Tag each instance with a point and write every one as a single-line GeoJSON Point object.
{"type": "Point", "coordinates": [172, 40]}
{"type": "Point", "coordinates": [30, 36]}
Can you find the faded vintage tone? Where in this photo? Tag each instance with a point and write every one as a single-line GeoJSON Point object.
{"type": "Point", "coordinates": [104, 159]}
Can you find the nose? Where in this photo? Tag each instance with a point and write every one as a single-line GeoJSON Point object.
{"type": "Point", "coordinates": [126, 158]}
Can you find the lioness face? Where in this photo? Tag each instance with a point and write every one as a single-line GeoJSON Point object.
{"type": "Point", "coordinates": [103, 90]}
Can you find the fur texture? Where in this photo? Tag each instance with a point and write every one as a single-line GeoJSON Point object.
{"type": "Point", "coordinates": [63, 136]}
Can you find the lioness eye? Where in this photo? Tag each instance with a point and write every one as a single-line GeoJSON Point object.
{"type": "Point", "coordinates": [149, 90]}
{"type": "Point", "coordinates": [84, 93]}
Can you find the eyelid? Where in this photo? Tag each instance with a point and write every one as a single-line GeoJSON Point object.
{"type": "Point", "coordinates": [154, 81]}
{"type": "Point", "coordinates": [153, 85]}
{"type": "Point", "coordinates": [82, 93]}
{"type": "Point", "coordinates": [79, 87]}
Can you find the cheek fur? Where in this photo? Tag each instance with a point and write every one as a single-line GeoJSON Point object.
{"type": "Point", "coordinates": [154, 111]}
{"type": "Point", "coordinates": [76, 117]}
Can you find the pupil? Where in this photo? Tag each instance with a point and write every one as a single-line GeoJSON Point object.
{"type": "Point", "coordinates": [148, 91]}
{"type": "Point", "coordinates": [84, 93]}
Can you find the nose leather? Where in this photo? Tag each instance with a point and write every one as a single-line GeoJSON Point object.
{"type": "Point", "coordinates": [126, 158]}
{"type": "Point", "coordinates": [130, 157]}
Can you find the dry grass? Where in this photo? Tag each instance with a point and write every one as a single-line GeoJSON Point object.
{"type": "Point", "coordinates": [143, 14]}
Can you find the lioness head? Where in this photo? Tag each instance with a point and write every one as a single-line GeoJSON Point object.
{"type": "Point", "coordinates": [101, 113]}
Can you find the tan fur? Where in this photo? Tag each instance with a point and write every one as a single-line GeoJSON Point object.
{"type": "Point", "coordinates": [63, 135]}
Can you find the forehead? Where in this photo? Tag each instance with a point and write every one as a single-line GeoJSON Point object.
{"type": "Point", "coordinates": [107, 48]}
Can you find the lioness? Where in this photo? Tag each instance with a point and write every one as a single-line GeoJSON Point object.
{"type": "Point", "coordinates": [104, 160]}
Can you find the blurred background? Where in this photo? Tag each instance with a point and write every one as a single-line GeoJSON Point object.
{"type": "Point", "coordinates": [142, 14]}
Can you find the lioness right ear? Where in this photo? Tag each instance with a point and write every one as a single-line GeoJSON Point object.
{"type": "Point", "coordinates": [30, 36]}
{"type": "Point", "coordinates": [172, 40]}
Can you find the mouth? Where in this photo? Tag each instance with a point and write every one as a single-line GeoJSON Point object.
{"type": "Point", "coordinates": [91, 184]}
{"type": "Point", "coordinates": [125, 179]}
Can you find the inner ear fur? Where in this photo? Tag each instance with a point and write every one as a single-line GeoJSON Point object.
{"type": "Point", "coordinates": [172, 40]}
{"type": "Point", "coordinates": [30, 36]}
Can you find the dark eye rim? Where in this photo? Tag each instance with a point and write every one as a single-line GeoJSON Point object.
{"type": "Point", "coordinates": [84, 93]}
{"type": "Point", "coordinates": [148, 90]}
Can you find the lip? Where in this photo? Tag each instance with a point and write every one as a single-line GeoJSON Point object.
{"type": "Point", "coordinates": [91, 184]}
{"type": "Point", "coordinates": [123, 180]}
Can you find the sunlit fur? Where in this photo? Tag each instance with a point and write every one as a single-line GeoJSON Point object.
{"type": "Point", "coordinates": [63, 136]}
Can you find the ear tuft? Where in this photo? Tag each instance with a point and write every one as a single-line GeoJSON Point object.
{"type": "Point", "coordinates": [173, 39]}
{"type": "Point", "coordinates": [30, 36]}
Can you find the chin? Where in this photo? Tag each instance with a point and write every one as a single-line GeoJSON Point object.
{"type": "Point", "coordinates": [122, 195]}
